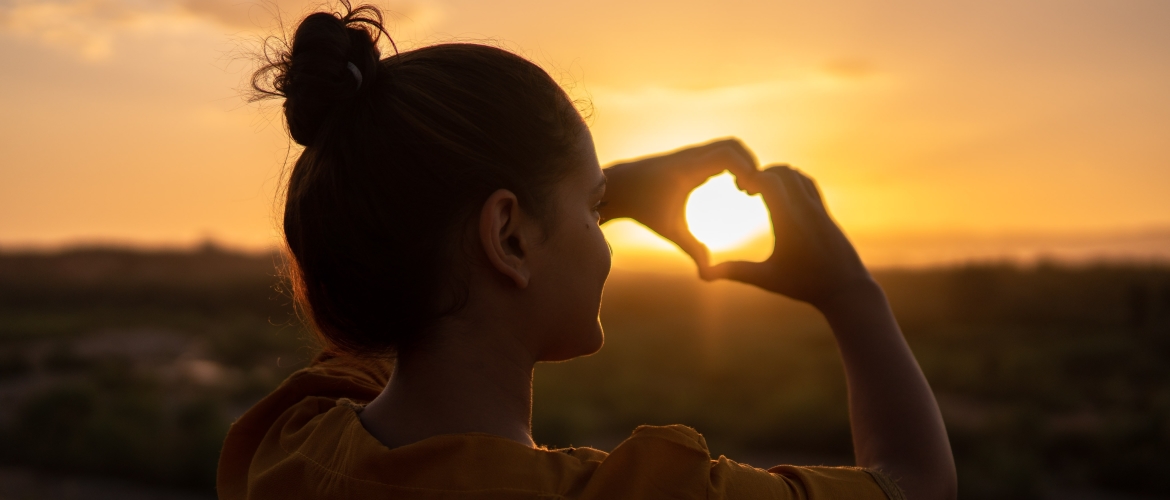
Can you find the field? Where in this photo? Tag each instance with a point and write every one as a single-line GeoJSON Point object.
{"type": "Point", "coordinates": [1054, 380]}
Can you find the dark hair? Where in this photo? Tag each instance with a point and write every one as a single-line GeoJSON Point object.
{"type": "Point", "coordinates": [397, 160]}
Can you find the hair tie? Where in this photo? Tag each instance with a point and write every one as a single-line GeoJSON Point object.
{"type": "Point", "coordinates": [357, 74]}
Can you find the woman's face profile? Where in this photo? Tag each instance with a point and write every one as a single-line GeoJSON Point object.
{"type": "Point", "coordinates": [573, 262]}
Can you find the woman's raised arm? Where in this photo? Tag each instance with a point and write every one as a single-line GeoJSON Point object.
{"type": "Point", "coordinates": [897, 427]}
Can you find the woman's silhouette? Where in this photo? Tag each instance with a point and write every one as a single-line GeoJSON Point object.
{"type": "Point", "coordinates": [445, 214]}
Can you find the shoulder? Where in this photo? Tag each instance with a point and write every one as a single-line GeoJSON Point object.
{"type": "Point", "coordinates": [316, 447]}
{"type": "Point", "coordinates": [319, 449]}
{"type": "Point", "coordinates": [305, 394]}
{"type": "Point", "coordinates": [675, 458]}
{"type": "Point", "coordinates": [669, 447]}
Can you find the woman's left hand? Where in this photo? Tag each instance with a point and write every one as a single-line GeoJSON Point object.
{"type": "Point", "coordinates": [654, 190]}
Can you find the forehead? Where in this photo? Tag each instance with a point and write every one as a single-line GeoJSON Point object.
{"type": "Point", "coordinates": [587, 166]}
{"type": "Point", "coordinates": [583, 176]}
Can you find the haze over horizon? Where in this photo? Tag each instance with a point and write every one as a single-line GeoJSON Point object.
{"type": "Point", "coordinates": [938, 132]}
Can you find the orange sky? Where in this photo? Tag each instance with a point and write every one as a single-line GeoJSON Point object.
{"type": "Point", "coordinates": [981, 124]}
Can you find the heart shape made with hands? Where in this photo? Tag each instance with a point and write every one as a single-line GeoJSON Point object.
{"type": "Point", "coordinates": [690, 198]}
{"type": "Point", "coordinates": [732, 224]}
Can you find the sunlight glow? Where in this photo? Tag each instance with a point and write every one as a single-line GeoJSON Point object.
{"type": "Point", "coordinates": [723, 217]}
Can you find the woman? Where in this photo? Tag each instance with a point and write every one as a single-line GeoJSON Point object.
{"type": "Point", "coordinates": [445, 213]}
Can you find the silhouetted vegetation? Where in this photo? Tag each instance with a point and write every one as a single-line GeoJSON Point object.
{"type": "Point", "coordinates": [133, 364]}
{"type": "Point", "coordinates": [1051, 378]}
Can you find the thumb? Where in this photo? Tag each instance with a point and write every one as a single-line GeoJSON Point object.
{"type": "Point", "coordinates": [738, 270]}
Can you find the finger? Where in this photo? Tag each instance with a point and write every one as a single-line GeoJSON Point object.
{"type": "Point", "coordinates": [750, 183]}
{"type": "Point", "coordinates": [809, 193]}
{"type": "Point", "coordinates": [811, 196]}
{"type": "Point", "coordinates": [794, 186]}
{"type": "Point", "coordinates": [715, 157]}
{"type": "Point", "coordinates": [694, 248]}
{"type": "Point", "coordinates": [774, 186]}
{"type": "Point", "coordinates": [770, 187]}
{"type": "Point", "coordinates": [690, 153]}
{"type": "Point", "coordinates": [790, 210]}
{"type": "Point", "coordinates": [730, 143]}
{"type": "Point", "coordinates": [745, 163]}
{"type": "Point", "coordinates": [724, 160]}
{"type": "Point", "coordinates": [744, 272]}
{"type": "Point", "coordinates": [685, 155]}
{"type": "Point", "coordinates": [811, 186]}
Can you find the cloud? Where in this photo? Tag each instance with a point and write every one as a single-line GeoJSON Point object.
{"type": "Point", "coordinates": [850, 68]}
{"type": "Point", "coordinates": [92, 28]}
{"type": "Point", "coordinates": [88, 28]}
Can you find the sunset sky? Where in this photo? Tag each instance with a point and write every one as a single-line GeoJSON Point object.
{"type": "Point", "coordinates": [934, 128]}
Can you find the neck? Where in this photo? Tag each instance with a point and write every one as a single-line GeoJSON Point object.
{"type": "Point", "coordinates": [461, 383]}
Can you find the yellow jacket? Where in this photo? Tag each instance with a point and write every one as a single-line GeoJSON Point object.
{"type": "Point", "coordinates": [304, 441]}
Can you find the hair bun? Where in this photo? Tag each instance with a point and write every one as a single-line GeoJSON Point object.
{"type": "Point", "coordinates": [315, 75]}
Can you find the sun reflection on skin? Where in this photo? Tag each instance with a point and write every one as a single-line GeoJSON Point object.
{"type": "Point", "coordinates": [725, 218]}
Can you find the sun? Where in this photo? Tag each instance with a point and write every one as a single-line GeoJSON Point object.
{"type": "Point", "coordinates": [725, 218]}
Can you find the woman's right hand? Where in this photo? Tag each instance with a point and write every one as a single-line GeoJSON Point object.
{"type": "Point", "coordinates": [812, 260]}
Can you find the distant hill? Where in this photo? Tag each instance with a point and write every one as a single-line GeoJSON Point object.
{"type": "Point", "coordinates": [1052, 378]}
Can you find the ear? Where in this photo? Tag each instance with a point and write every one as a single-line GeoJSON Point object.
{"type": "Point", "coordinates": [501, 232]}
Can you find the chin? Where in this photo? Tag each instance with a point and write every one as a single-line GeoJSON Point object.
{"type": "Point", "coordinates": [583, 342]}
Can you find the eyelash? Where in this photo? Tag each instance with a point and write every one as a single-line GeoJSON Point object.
{"type": "Point", "coordinates": [599, 205]}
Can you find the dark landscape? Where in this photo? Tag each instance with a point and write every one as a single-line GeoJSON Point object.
{"type": "Point", "coordinates": [120, 371]}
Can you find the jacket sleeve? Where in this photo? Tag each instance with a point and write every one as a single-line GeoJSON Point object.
{"type": "Point", "coordinates": [674, 462]}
